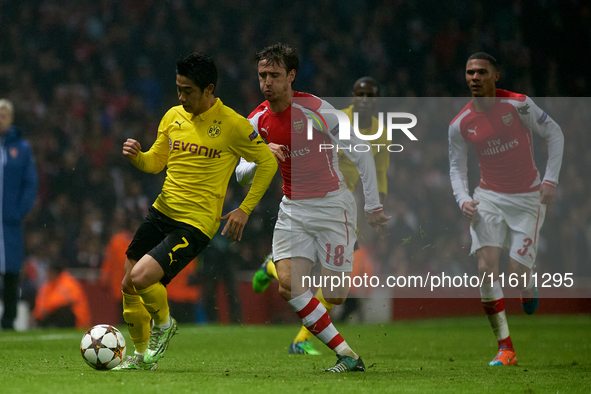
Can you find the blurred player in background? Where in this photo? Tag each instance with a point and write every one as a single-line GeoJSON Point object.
{"type": "Point", "coordinates": [199, 142]}
{"type": "Point", "coordinates": [317, 215]}
{"type": "Point", "coordinates": [508, 207]}
{"type": "Point", "coordinates": [18, 189]}
{"type": "Point", "coordinates": [365, 93]}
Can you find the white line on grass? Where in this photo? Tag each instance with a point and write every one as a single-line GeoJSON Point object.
{"type": "Point", "coordinates": [48, 337]}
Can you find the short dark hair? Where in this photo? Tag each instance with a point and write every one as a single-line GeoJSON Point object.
{"type": "Point", "coordinates": [485, 56]}
{"type": "Point", "coordinates": [199, 68]}
{"type": "Point", "coordinates": [369, 80]}
{"type": "Point", "coordinates": [280, 54]}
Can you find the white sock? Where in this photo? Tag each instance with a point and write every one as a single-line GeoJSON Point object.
{"type": "Point", "coordinates": [164, 326]}
{"type": "Point", "coordinates": [345, 350]}
{"type": "Point", "coordinates": [530, 283]}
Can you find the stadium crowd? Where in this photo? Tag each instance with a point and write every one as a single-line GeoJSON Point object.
{"type": "Point", "coordinates": [86, 75]}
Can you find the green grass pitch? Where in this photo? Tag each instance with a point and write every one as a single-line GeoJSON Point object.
{"type": "Point", "coordinates": [425, 356]}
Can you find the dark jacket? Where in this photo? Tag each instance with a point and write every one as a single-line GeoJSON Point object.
{"type": "Point", "coordinates": [18, 189]}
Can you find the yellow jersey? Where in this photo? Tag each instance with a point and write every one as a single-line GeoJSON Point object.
{"type": "Point", "coordinates": [381, 157]}
{"type": "Point", "coordinates": [201, 152]}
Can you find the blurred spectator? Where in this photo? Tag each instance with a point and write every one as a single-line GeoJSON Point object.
{"type": "Point", "coordinates": [61, 301]}
{"type": "Point", "coordinates": [18, 189]}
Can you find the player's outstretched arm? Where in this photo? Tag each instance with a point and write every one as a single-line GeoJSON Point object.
{"type": "Point", "coordinates": [131, 148]}
{"type": "Point", "coordinates": [152, 161]}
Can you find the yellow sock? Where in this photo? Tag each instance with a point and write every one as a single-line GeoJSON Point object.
{"type": "Point", "coordinates": [138, 321]}
{"type": "Point", "coordinates": [271, 270]}
{"type": "Point", "coordinates": [304, 334]}
{"type": "Point", "coordinates": [156, 302]}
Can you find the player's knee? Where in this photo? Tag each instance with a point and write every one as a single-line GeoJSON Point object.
{"type": "Point", "coordinates": [518, 267]}
{"type": "Point", "coordinates": [285, 293]}
{"type": "Point", "coordinates": [284, 283]}
{"type": "Point", "coordinates": [127, 285]}
{"type": "Point", "coordinates": [139, 279]}
{"type": "Point", "coordinates": [487, 262]}
{"type": "Point", "coordinates": [484, 266]}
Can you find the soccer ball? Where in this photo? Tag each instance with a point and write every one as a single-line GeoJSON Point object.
{"type": "Point", "coordinates": [103, 347]}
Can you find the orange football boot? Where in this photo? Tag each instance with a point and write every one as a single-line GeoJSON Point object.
{"type": "Point", "coordinates": [505, 356]}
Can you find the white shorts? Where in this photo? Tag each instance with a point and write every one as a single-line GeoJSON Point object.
{"type": "Point", "coordinates": [318, 229]}
{"type": "Point", "coordinates": [509, 221]}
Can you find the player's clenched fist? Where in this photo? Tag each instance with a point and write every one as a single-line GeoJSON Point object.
{"type": "Point", "coordinates": [469, 209]}
{"type": "Point", "coordinates": [131, 148]}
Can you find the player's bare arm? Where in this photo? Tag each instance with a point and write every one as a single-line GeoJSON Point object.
{"type": "Point", "coordinates": [547, 194]}
{"type": "Point", "coordinates": [131, 148]}
{"type": "Point", "coordinates": [470, 210]}
{"type": "Point", "coordinates": [235, 226]}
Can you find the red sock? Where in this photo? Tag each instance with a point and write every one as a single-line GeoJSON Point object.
{"type": "Point", "coordinates": [506, 343]}
{"type": "Point", "coordinates": [315, 318]}
{"type": "Point", "coordinates": [494, 307]}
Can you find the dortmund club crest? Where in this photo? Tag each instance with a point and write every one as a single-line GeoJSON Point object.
{"type": "Point", "coordinates": [214, 131]}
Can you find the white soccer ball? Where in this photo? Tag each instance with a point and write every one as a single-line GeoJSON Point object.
{"type": "Point", "coordinates": [103, 347]}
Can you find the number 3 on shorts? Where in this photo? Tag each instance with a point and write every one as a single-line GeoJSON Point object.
{"type": "Point", "coordinates": [339, 251]}
{"type": "Point", "coordinates": [526, 244]}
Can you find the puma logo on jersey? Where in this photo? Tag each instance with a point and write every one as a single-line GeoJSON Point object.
{"type": "Point", "coordinates": [473, 131]}
{"type": "Point", "coordinates": [177, 122]}
{"type": "Point", "coordinates": [266, 130]}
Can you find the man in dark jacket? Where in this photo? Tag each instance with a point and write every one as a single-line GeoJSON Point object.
{"type": "Point", "coordinates": [18, 189]}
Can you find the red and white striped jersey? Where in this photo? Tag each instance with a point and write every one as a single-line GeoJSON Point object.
{"type": "Point", "coordinates": [308, 171]}
{"type": "Point", "coordinates": [502, 136]}
{"type": "Point", "coordinates": [313, 173]}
